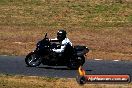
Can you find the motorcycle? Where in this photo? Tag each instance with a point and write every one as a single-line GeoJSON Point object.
{"type": "Point", "coordinates": [72, 57]}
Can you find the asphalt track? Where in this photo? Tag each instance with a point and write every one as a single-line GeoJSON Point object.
{"type": "Point", "coordinates": [15, 65]}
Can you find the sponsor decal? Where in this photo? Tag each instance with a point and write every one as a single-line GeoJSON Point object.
{"type": "Point", "coordinates": [83, 78]}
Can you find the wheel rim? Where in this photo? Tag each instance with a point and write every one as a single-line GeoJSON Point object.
{"type": "Point", "coordinates": [33, 60]}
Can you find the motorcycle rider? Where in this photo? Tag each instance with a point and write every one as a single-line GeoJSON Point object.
{"type": "Point", "coordinates": [63, 41]}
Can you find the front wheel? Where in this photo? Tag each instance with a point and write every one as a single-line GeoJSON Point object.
{"type": "Point", "coordinates": [33, 60]}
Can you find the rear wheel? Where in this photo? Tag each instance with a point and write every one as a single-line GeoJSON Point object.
{"type": "Point", "coordinates": [75, 63]}
{"type": "Point", "coordinates": [81, 60]}
{"type": "Point", "coordinates": [73, 66]}
{"type": "Point", "coordinates": [33, 60]}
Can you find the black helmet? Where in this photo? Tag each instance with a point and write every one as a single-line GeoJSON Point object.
{"type": "Point", "coordinates": [61, 35]}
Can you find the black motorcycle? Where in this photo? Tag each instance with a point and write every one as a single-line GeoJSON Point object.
{"type": "Point", "coordinates": [72, 57]}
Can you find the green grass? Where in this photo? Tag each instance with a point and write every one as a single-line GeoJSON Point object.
{"type": "Point", "coordinates": [65, 13]}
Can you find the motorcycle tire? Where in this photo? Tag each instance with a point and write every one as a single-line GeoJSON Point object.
{"type": "Point", "coordinates": [75, 64]}
{"type": "Point", "coordinates": [81, 60]}
{"type": "Point", "coordinates": [32, 60]}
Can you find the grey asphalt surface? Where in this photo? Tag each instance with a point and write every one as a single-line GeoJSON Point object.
{"type": "Point", "coordinates": [15, 65]}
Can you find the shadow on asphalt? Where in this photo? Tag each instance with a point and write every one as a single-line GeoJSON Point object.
{"type": "Point", "coordinates": [55, 68]}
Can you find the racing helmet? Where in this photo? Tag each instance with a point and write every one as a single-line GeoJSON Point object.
{"type": "Point", "coordinates": [61, 35]}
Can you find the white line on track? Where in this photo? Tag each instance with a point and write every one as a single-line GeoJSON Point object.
{"type": "Point", "coordinates": [94, 59]}
{"type": "Point", "coordinates": [116, 60]}
{"type": "Point", "coordinates": [98, 59]}
{"type": "Point", "coordinates": [102, 59]}
{"type": "Point", "coordinates": [4, 55]}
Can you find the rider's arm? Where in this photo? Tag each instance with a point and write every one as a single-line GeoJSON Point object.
{"type": "Point", "coordinates": [53, 40]}
{"type": "Point", "coordinates": [63, 45]}
{"type": "Point", "coordinates": [68, 41]}
{"type": "Point", "coordinates": [59, 50]}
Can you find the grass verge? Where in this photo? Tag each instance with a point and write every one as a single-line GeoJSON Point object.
{"type": "Point", "coordinates": [110, 43]}
{"type": "Point", "coordinates": [7, 81]}
{"type": "Point", "coordinates": [104, 26]}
